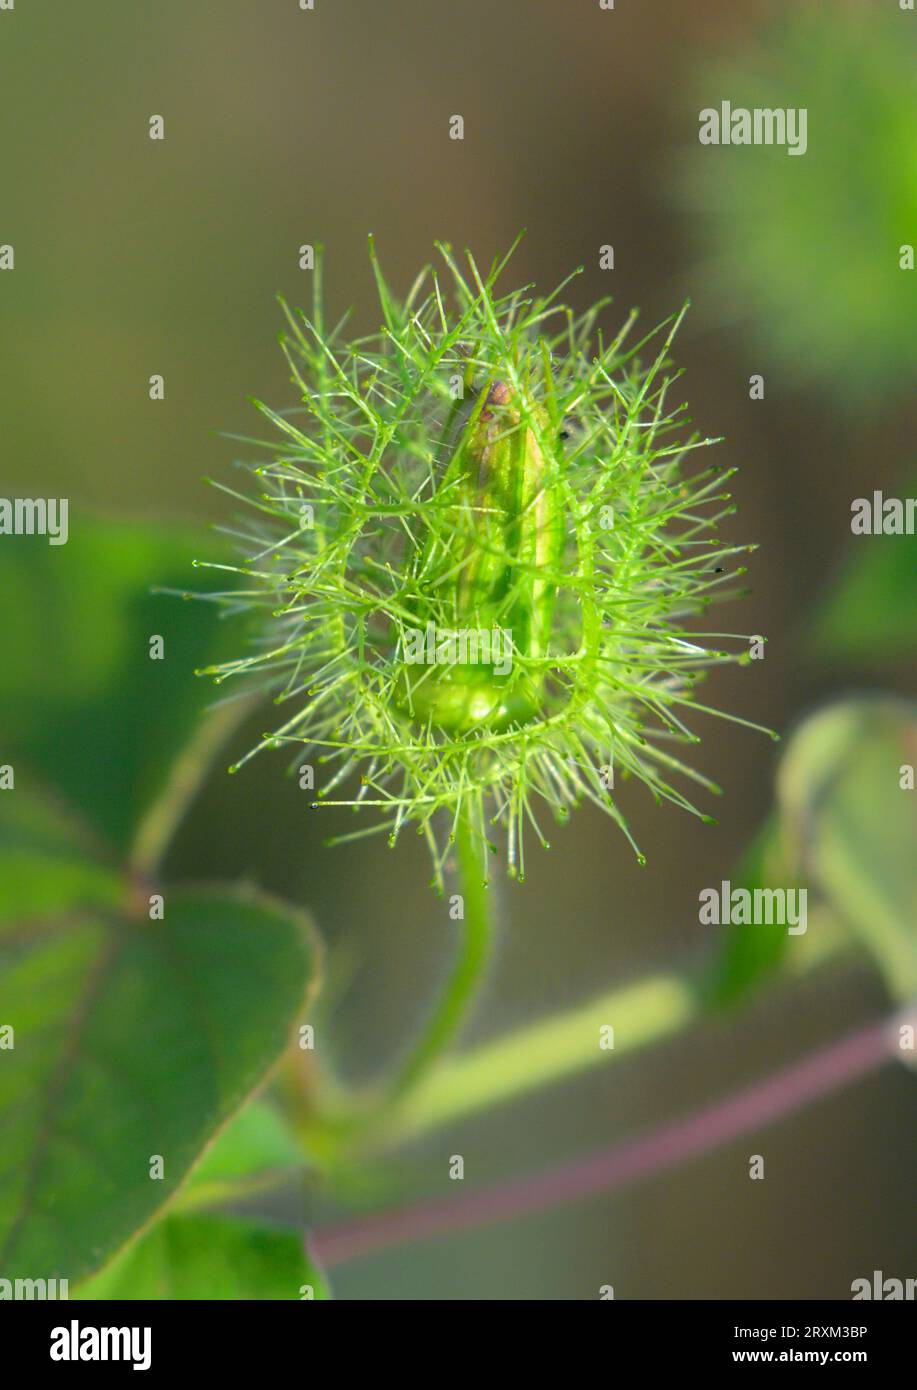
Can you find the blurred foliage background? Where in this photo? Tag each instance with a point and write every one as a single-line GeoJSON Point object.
{"type": "Point", "coordinates": [283, 127]}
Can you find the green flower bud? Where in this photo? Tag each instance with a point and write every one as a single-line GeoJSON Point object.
{"type": "Point", "coordinates": [473, 611]}
{"type": "Point", "coordinates": [490, 572]}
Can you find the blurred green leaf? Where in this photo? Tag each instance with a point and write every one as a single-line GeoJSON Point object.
{"type": "Point", "coordinates": [198, 1257]}
{"type": "Point", "coordinates": [749, 956]}
{"type": "Point", "coordinates": [82, 704]}
{"type": "Point", "coordinates": [852, 827]}
{"type": "Point", "coordinates": [871, 610]}
{"type": "Point", "coordinates": [133, 1038]}
{"type": "Point", "coordinates": [254, 1149]}
{"type": "Point", "coordinates": [50, 861]}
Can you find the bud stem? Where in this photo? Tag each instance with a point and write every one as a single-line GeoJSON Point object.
{"type": "Point", "coordinates": [466, 976]}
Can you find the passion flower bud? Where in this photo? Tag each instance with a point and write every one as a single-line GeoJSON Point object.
{"type": "Point", "coordinates": [478, 613]}
{"type": "Point", "coordinates": [486, 577]}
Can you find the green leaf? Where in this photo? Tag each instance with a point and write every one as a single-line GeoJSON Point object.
{"type": "Point", "coordinates": [133, 1038]}
{"type": "Point", "coordinates": [871, 610]}
{"type": "Point", "coordinates": [203, 1257]}
{"type": "Point", "coordinates": [252, 1152]}
{"type": "Point", "coordinates": [748, 956]}
{"type": "Point", "coordinates": [82, 704]}
{"type": "Point", "coordinates": [49, 861]}
{"type": "Point", "coordinates": [853, 826]}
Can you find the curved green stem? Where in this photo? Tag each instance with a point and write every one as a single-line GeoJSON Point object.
{"type": "Point", "coordinates": [642, 1013]}
{"type": "Point", "coordinates": [555, 1047]}
{"type": "Point", "coordinates": [467, 973]}
{"type": "Point", "coordinates": [738, 1113]}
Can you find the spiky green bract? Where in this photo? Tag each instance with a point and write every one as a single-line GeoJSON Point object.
{"type": "Point", "coordinates": [485, 462]}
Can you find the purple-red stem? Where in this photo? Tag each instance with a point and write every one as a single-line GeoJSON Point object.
{"type": "Point", "coordinates": [743, 1110]}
